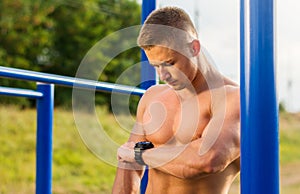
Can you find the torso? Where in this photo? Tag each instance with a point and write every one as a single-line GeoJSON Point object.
{"type": "Point", "coordinates": [168, 120]}
{"type": "Point", "coordinates": [218, 183]}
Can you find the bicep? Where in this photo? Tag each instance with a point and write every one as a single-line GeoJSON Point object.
{"type": "Point", "coordinates": [222, 136]}
{"type": "Point", "coordinates": [137, 133]}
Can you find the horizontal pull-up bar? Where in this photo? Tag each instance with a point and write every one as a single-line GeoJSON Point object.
{"type": "Point", "coordinates": [20, 92]}
{"type": "Point", "coordinates": [14, 73]}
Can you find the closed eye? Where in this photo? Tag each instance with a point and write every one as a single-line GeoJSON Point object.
{"type": "Point", "coordinates": [169, 64]}
{"type": "Point", "coordinates": [165, 64]}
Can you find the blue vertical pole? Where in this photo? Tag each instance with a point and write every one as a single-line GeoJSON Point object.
{"type": "Point", "coordinates": [44, 139]}
{"type": "Point", "coordinates": [148, 74]}
{"type": "Point", "coordinates": [259, 110]}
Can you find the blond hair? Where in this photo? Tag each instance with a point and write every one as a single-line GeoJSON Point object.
{"type": "Point", "coordinates": [167, 26]}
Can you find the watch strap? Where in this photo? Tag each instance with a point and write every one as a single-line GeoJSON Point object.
{"type": "Point", "coordinates": [138, 156]}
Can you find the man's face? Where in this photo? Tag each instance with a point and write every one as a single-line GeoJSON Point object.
{"type": "Point", "coordinates": [173, 68]}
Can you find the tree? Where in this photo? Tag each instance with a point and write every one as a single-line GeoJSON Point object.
{"type": "Point", "coordinates": [78, 26]}
{"type": "Point", "coordinates": [25, 36]}
{"type": "Point", "coordinates": [54, 36]}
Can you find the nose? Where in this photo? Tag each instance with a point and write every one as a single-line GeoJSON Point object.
{"type": "Point", "coordinates": [163, 73]}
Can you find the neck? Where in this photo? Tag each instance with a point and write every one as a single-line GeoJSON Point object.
{"type": "Point", "coordinates": [212, 76]}
{"type": "Point", "coordinates": [207, 77]}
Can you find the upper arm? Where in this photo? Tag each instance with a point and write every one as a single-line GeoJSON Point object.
{"type": "Point", "coordinates": [220, 142]}
{"type": "Point", "coordinates": [128, 175]}
{"type": "Point", "coordinates": [138, 132]}
{"type": "Point", "coordinates": [222, 136]}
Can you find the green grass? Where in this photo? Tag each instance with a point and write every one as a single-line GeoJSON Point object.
{"type": "Point", "coordinates": [289, 138]}
{"type": "Point", "coordinates": [77, 170]}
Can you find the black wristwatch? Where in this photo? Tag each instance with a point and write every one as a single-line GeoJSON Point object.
{"type": "Point", "coordinates": [139, 149]}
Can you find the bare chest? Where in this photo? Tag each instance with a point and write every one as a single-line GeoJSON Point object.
{"type": "Point", "coordinates": [169, 121]}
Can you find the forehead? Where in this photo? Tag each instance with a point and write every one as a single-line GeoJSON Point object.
{"type": "Point", "coordinates": [159, 53]}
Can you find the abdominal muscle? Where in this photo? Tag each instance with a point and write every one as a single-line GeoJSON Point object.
{"type": "Point", "coordinates": [218, 183]}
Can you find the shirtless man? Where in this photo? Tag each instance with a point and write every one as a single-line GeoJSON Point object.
{"type": "Point", "coordinates": [192, 120]}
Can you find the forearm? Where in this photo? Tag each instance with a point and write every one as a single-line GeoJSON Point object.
{"type": "Point", "coordinates": [180, 161]}
{"type": "Point", "coordinates": [190, 161]}
{"type": "Point", "coordinates": [128, 178]}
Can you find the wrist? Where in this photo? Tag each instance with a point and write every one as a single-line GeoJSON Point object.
{"type": "Point", "coordinates": [139, 148]}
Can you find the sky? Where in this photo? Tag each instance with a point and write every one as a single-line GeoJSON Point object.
{"type": "Point", "coordinates": [217, 22]}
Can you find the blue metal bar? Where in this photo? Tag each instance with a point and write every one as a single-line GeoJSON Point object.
{"type": "Point", "coordinates": [68, 81]}
{"type": "Point", "coordinates": [148, 74]}
{"type": "Point", "coordinates": [259, 108]}
{"type": "Point", "coordinates": [20, 92]}
{"type": "Point", "coordinates": [44, 139]}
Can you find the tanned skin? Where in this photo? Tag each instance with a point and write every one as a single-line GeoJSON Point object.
{"type": "Point", "coordinates": [194, 122]}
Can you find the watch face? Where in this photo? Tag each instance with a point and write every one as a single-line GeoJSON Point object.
{"type": "Point", "coordinates": [144, 145]}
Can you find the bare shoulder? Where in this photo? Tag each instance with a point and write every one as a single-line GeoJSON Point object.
{"type": "Point", "coordinates": [233, 92]}
{"type": "Point", "coordinates": [144, 102]}
{"type": "Point", "coordinates": [154, 91]}
{"type": "Point", "coordinates": [226, 100]}
{"type": "Point", "coordinates": [150, 94]}
{"type": "Point", "coordinates": [233, 102]}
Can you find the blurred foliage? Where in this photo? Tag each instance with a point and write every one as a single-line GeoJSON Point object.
{"type": "Point", "coordinates": [25, 33]}
{"type": "Point", "coordinates": [282, 107]}
{"type": "Point", "coordinates": [54, 36]}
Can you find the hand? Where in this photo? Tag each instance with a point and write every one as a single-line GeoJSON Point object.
{"type": "Point", "coordinates": [126, 152]}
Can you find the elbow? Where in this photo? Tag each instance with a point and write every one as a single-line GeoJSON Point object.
{"type": "Point", "coordinates": [189, 173]}
{"type": "Point", "coordinates": [218, 163]}
{"type": "Point", "coordinates": [193, 171]}
{"type": "Point", "coordinates": [215, 164]}
{"type": "Point", "coordinates": [217, 167]}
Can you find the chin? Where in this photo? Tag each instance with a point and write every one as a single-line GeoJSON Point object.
{"type": "Point", "coordinates": [177, 87]}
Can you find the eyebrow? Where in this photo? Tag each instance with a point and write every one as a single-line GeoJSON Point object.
{"type": "Point", "coordinates": [154, 63]}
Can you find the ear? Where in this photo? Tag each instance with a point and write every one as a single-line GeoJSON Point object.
{"type": "Point", "coordinates": [196, 47]}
